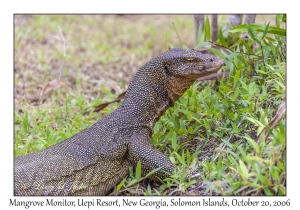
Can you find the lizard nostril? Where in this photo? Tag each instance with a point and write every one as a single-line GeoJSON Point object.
{"type": "Point", "coordinates": [211, 60]}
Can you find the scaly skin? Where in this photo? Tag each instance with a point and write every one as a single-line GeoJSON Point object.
{"type": "Point", "coordinates": [95, 160]}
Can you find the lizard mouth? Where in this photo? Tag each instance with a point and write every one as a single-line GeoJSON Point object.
{"type": "Point", "coordinates": [214, 67]}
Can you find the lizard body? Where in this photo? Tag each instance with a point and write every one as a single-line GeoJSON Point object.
{"type": "Point", "coordinates": [95, 160]}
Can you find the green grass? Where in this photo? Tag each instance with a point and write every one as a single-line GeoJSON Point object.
{"type": "Point", "coordinates": [213, 129]}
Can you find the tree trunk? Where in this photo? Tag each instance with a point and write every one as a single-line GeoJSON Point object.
{"type": "Point", "coordinates": [250, 18]}
{"type": "Point", "coordinates": [214, 26]}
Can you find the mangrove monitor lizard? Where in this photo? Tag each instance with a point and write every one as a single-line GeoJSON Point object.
{"type": "Point", "coordinates": [95, 160]}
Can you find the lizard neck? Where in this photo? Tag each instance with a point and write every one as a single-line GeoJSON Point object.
{"type": "Point", "coordinates": [145, 108]}
{"type": "Point", "coordinates": [147, 96]}
{"type": "Point", "coordinates": [176, 87]}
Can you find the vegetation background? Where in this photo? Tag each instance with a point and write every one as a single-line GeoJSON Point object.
{"type": "Point", "coordinates": [65, 65]}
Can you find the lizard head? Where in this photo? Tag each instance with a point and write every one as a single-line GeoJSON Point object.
{"type": "Point", "coordinates": [190, 64]}
{"type": "Point", "coordinates": [183, 67]}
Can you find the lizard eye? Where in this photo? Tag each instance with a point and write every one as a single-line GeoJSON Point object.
{"type": "Point", "coordinates": [190, 59]}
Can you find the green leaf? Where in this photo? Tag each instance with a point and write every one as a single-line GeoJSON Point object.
{"type": "Point", "coordinates": [252, 88]}
{"type": "Point", "coordinates": [235, 59]}
{"type": "Point", "coordinates": [265, 31]}
{"type": "Point", "coordinates": [132, 182]}
{"type": "Point", "coordinates": [138, 171]}
{"type": "Point", "coordinates": [243, 153]}
{"type": "Point", "coordinates": [180, 159]}
{"type": "Point", "coordinates": [172, 159]}
{"type": "Point", "coordinates": [183, 156]}
{"type": "Point", "coordinates": [255, 158]}
{"type": "Point", "coordinates": [189, 115]}
{"type": "Point", "coordinates": [280, 84]}
{"type": "Point", "coordinates": [148, 192]}
{"type": "Point", "coordinates": [235, 185]}
{"type": "Point", "coordinates": [174, 141]}
{"type": "Point", "coordinates": [119, 186]}
{"type": "Point", "coordinates": [274, 172]}
{"type": "Point", "coordinates": [227, 143]}
{"type": "Point", "coordinates": [245, 87]}
{"type": "Point", "coordinates": [258, 28]}
{"type": "Point", "coordinates": [252, 33]}
{"type": "Point", "coordinates": [255, 122]}
{"type": "Point", "coordinates": [243, 170]}
{"type": "Point", "coordinates": [236, 129]}
{"type": "Point", "coordinates": [203, 44]}
{"type": "Point", "coordinates": [156, 191]}
{"type": "Point", "coordinates": [26, 123]}
{"type": "Point", "coordinates": [262, 143]}
{"type": "Point", "coordinates": [254, 185]}
{"type": "Point", "coordinates": [267, 191]}
{"type": "Point", "coordinates": [154, 171]}
{"type": "Point", "coordinates": [252, 143]}
{"type": "Point", "coordinates": [206, 124]}
{"type": "Point", "coordinates": [207, 29]}
{"type": "Point", "coordinates": [263, 179]}
{"type": "Point", "coordinates": [283, 18]}
{"type": "Point", "coordinates": [281, 165]}
{"type": "Point", "coordinates": [267, 50]}
{"type": "Point", "coordinates": [188, 156]}
{"type": "Point", "coordinates": [106, 91]}
{"type": "Point", "coordinates": [222, 40]}
{"type": "Point", "coordinates": [237, 76]}
{"type": "Point", "coordinates": [218, 52]}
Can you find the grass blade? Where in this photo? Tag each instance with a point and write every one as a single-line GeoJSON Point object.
{"type": "Point", "coordinates": [258, 28]}
{"type": "Point", "coordinates": [207, 29]}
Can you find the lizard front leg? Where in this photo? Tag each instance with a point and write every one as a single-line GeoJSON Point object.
{"type": "Point", "coordinates": [141, 149]}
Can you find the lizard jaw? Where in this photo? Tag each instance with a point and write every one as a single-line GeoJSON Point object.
{"type": "Point", "coordinates": [211, 69]}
